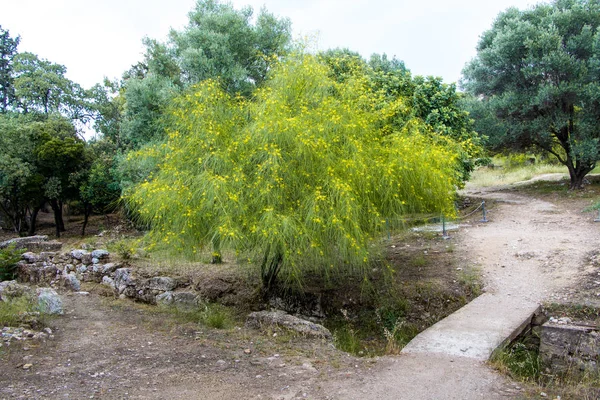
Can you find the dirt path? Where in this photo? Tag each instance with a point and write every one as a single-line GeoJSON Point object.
{"type": "Point", "coordinates": [108, 349]}
{"type": "Point", "coordinates": [530, 251]}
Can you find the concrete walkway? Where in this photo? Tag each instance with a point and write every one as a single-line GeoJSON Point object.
{"type": "Point", "coordinates": [528, 250]}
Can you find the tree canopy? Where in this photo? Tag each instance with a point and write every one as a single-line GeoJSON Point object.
{"type": "Point", "coordinates": [301, 178]}
{"type": "Point", "coordinates": [538, 71]}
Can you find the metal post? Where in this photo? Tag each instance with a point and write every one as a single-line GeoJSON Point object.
{"type": "Point", "coordinates": [598, 218]}
{"type": "Point", "coordinates": [484, 219]}
{"type": "Point", "coordinates": [444, 233]}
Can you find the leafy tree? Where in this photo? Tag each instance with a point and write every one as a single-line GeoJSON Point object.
{"type": "Point", "coordinates": [8, 50]}
{"type": "Point", "coordinates": [299, 179]}
{"type": "Point", "coordinates": [99, 191]}
{"type": "Point", "coordinates": [428, 99]}
{"type": "Point", "coordinates": [41, 86]}
{"type": "Point", "coordinates": [59, 154]}
{"type": "Point", "coordinates": [145, 102]}
{"type": "Point", "coordinates": [222, 42]}
{"type": "Point", "coordinates": [219, 42]}
{"type": "Point", "coordinates": [20, 182]}
{"type": "Point", "coordinates": [539, 70]}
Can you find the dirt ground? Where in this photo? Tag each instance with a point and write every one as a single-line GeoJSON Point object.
{"type": "Point", "coordinates": [114, 349]}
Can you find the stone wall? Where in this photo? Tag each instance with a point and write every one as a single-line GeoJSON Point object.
{"type": "Point", "coordinates": [570, 348]}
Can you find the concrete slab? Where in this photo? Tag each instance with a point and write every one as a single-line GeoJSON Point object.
{"type": "Point", "coordinates": [477, 329]}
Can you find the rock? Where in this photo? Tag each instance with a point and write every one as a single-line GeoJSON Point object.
{"type": "Point", "coordinates": [71, 282]}
{"type": "Point", "coordinates": [109, 268]}
{"type": "Point", "coordinates": [123, 279]}
{"type": "Point", "coordinates": [161, 283]}
{"type": "Point", "coordinates": [95, 260]}
{"type": "Point", "coordinates": [165, 298]}
{"type": "Point", "coordinates": [39, 272]}
{"type": "Point", "coordinates": [281, 319]}
{"type": "Point", "coordinates": [82, 269]}
{"type": "Point", "coordinates": [49, 301]}
{"type": "Point", "coordinates": [100, 254]}
{"type": "Point", "coordinates": [108, 281]}
{"type": "Point", "coordinates": [186, 300]}
{"type": "Point", "coordinates": [86, 259]}
{"type": "Point", "coordinates": [78, 254]}
{"type": "Point", "coordinates": [30, 257]}
{"type": "Point", "coordinates": [11, 289]}
{"type": "Point", "coordinates": [22, 242]}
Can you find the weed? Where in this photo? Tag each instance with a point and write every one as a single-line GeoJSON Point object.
{"type": "Point", "coordinates": [520, 360]}
{"type": "Point", "coordinates": [345, 337]}
{"type": "Point", "coordinates": [216, 316]}
{"type": "Point", "coordinates": [9, 257]}
{"type": "Point", "coordinates": [470, 279]}
{"type": "Point", "coordinates": [419, 261]}
{"type": "Point", "coordinates": [210, 314]}
{"type": "Point", "coordinates": [22, 311]}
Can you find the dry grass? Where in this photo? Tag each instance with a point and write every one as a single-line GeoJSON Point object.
{"type": "Point", "coordinates": [485, 176]}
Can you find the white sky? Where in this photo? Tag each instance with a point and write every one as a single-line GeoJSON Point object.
{"type": "Point", "coordinates": [98, 38]}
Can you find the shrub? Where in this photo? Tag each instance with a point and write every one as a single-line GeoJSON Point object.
{"type": "Point", "coordinates": [9, 257]}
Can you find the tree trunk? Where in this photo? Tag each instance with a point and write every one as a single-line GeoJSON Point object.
{"type": "Point", "coordinates": [60, 216]}
{"type": "Point", "coordinates": [57, 215]}
{"type": "Point", "coordinates": [32, 221]}
{"type": "Point", "coordinates": [577, 173]}
{"type": "Point", "coordinates": [87, 210]}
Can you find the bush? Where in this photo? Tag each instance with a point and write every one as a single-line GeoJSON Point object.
{"type": "Point", "coordinates": [9, 257]}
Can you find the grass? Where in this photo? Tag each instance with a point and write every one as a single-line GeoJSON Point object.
{"type": "Point", "coordinates": [485, 176]}
{"type": "Point", "coordinates": [471, 280]}
{"type": "Point", "coordinates": [211, 315]}
{"type": "Point", "coordinates": [22, 312]}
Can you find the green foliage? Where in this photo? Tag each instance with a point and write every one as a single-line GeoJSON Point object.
{"type": "Point", "coordinates": [300, 179]}
{"type": "Point", "coordinates": [216, 316]}
{"type": "Point", "coordinates": [14, 312]}
{"type": "Point", "coordinates": [38, 155]}
{"type": "Point", "coordinates": [145, 101]}
{"type": "Point", "coordinates": [8, 50]}
{"type": "Point", "coordinates": [41, 86]}
{"type": "Point", "coordinates": [231, 46]}
{"type": "Point", "coordinates": [221, 42]}
{"type": "Point", "coordinates": [9, 257]}
{"type": "Point", "coordinates": [536, 74]}
{"type": "Point", "coordinates": [521, 360]}
{"type": "Point", "coordinates": [346, 339]}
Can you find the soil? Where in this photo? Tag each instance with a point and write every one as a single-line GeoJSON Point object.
{"type": "Point", "coordinates": [114, 349]}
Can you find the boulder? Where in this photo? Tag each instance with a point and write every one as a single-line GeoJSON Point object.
{"type": "Point", "coordinates": [281, 319]}
{"type": "Point", "coordinates": [108, 281]}
{"type": "Point", "coordinates": [71, 282]}
{"type": "Point", "coordinates": [165, 299]}
{"type": "Point", "coordinates": [100, 254]}
{"type": "Point", "coordinates": [78, 254]}
{"type": "Point", "coordinates": [109, 268]}
{"type": "Point", "coordinates": [30, 257]}
{"type": "Point", "coordinates": [49, 301]}
{"type": "Point", "coordinates": [160, 283]}
{"type": "Point", "coordinates": [123, 279]}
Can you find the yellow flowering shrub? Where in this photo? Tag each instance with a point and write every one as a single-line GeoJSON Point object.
{"type": "Point", "coordinates": [300, 178]}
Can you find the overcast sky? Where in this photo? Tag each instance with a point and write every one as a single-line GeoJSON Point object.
{"type": "Point", "coordinates": [98, 38]}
